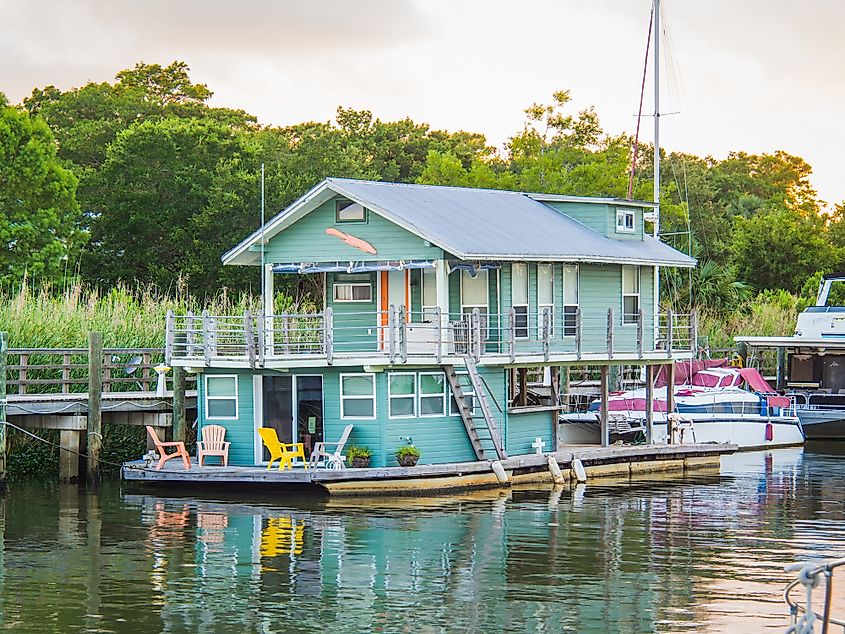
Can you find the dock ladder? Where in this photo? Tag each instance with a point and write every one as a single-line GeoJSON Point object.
{"type": "Point", "coordinates": [473, 385]}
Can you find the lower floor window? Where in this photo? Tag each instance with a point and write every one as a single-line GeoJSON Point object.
{"type": "Point", "coordinates": [357, 396]}
{"type": "Point", "coordinates": [402, 394]}
{"type": "Point", "coordinates": [432, 394]}
{"type": "Point", "coordinates": [221, 396]}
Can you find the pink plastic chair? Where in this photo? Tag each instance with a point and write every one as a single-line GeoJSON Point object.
{"type": "Point", "coordinates": [180, 452]}
{"type": "Point", "coordinates": [212, 444]}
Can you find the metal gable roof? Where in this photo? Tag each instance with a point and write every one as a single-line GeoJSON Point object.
{"type": "Point", "coordinates": [477, 224]}
{"type": "Point", "coordinates": [495, 224]}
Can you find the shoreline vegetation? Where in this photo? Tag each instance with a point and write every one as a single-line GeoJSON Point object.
{"type": "Point", "coordinates": [117, 200]}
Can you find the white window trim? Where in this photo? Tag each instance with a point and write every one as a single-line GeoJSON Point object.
{"type": "Point", "coordinates": [485, 306]}
{"type": "Point", "coordinates": [412, 395]}
{"type": "Point", "coordinates": [427, 309]}
{"type": "Point", "coordinates": [358, 397]}
{"type": "Point", "coordinates": [577, 295]}
{"type": "Point", "coordinates": [527, 328]}
{"type": "Point", "coordinates": [337, 212]}
{"type": "Point", "coordinates": [638, 278]}
{"type": "Point", "coordinates": [421, 396]}
{"type": "Point", "coordinates": [351, 301]}
{"type": "Point", "coordinates": [623, 228]}
{"type": "Point", "coordinates": [551, 306]}
{"type": "Point", "coordinates": [208, 396]}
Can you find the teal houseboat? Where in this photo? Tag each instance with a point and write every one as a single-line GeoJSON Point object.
{"type": "Point", "coordinates": [447, 314]}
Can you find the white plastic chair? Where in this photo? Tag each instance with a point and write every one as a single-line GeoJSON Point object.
{"type": "Point", "coordinates": [331, 458]}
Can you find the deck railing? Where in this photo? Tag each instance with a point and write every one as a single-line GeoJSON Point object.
{"type": "Point", "coordinates": [400, 336]}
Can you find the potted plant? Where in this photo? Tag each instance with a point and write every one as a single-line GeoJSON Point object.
{"type": "Point", "coordinates": [358, 457]}
{"type": "Point", "coordinates": [407, 455]}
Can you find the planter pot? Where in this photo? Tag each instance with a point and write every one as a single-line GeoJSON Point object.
{"type": "Point", "coordinates": [360, 462]}
{"type": "Point", "coordinates": [407, 461]}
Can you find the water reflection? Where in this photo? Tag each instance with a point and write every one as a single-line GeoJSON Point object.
{"type": "Point", "coordinates": [704, 554]}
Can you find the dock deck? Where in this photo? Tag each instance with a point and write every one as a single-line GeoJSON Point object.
{"type": "Point", "coordinates": [618, 462]}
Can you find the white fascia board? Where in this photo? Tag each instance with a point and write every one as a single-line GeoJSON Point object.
{"type": "Point", "coordinates": [284, 218]}
{"type": "Point", "coordinates": [582, 259]}
{"type": "Point", "coordinates": [562, 198]}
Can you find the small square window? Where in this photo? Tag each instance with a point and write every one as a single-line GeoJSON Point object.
{"type": "Point", "coordinates": [624, 221]}
{"type": "Point", "coordinates": [348, 211]}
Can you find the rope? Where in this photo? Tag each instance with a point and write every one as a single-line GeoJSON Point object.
{"type": "Point", "coordinates": [60, 448]}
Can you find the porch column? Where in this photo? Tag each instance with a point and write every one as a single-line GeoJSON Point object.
{"type": "Point", "coordinates": [441, 276]}
{"type": "Point", "coordinates": [267, 309]}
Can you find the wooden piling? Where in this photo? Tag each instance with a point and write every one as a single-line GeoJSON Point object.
{"type": "Point", "coordinates": [179, 411]}
{"type": "Point", "coordinates": [69, 455]}
{"type": "Point", "coordinates": [649, 404]}
{"type": "Point", "coordinates": [3, 348]}
{"type": "Point", "coordinates": [670, 389]}
{"type": "Point", "coordinates": [605, 404]}
{"type": "Point", "coordinates": [95, 404]}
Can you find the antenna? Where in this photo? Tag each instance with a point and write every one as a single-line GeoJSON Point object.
{"type": "Point", "coordinates": [263, 256]}
{"type": "Point", "coordinates": [656, 225]}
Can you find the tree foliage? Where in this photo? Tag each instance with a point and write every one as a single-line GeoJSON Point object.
{"type": "Point", "coordinates": [38, 210]}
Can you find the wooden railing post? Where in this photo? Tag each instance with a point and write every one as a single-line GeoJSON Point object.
{"type": "Point", "coordinates": [546, 334]}
{"type": "Point", "coordinates": [475, 334]}
{"type": "Point", "coordinates": [206, 335]}
{"type": "Point", "coordinates": [438, 338]}
{"type": "Point", "coordinates": [169, 336]}
{"type": "Point", "coordinates": [95, 404]}
{"type": "Point", "coordinates": [190, 338]}
{"type": "Point", "coordinates": [249, 343]}
{"type": "Point", "coordinates": [609, 333]}
{"type": "Point", "coordinates": [578, 332]}
{"type": "Point", "coordinates": [693, 326]}
{"type": "Point", "coordinates": [23, 362]}
{"type": "Point", "coordinates": [391, 333]}
{"type": "Point", "coordinates": [512, 334]}
{"type": "Point", "coordinates": [328, 334]}
{"type": "Point", "coordinates": [261, 339]}
{"type": "Point", "coordinates": [179, 410]}
{"type": "Point", "coordinates": [669, 333]}
{"type": "Point", "coordinates": [640, 332]}
{"type": "Point", "coordinates": [403, 334]}
{"type": "Point", "coordinates": [3, 359]}
{"type": "Point", "coordinates": [66, 358]}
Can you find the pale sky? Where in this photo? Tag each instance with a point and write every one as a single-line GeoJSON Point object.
{"type": "Point", "coordinates": [753, 75]}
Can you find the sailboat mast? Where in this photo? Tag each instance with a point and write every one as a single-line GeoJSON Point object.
{"type": "Point", "coordinates": [656, 224]}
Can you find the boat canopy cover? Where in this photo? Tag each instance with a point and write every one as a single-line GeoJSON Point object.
{"type": "Point", "coordinates": [352, 267]}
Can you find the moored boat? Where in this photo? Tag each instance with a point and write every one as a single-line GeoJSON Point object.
{"type": "Point", "coordinates": [713, 403]}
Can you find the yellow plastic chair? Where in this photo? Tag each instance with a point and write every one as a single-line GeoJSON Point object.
{"type": "Point", "coordinates": [283, 452]}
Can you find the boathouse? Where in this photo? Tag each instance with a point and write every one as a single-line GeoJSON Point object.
{"type": "Point", "coordinates": [447, 315]}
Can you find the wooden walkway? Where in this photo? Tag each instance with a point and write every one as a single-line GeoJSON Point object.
{"type": "Point", "coordinates": [620, 462]}
{"type": "Point", "coordinates": [69, 404]}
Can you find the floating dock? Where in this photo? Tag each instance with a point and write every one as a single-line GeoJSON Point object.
{"type": "Point", "coordinates": [573, 462]}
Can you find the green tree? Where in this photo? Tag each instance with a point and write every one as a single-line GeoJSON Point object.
{"type": "Point", "coordinates": [38, 208]}
{"type": "Point", "coordinates": [780, 249]}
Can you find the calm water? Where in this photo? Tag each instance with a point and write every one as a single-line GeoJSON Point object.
{"type": "Point", "coordinates": [704, 554]}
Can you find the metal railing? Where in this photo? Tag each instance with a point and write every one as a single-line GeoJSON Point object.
{"type": "Point", "coordinates": [803, 617]}
{"type": "Point", "coordinates": [400, 335]}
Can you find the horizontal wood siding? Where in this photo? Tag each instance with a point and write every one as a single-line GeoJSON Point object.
{"type": "Point", "coordinates": [241, 431]}
{"type": "Point", "coordinates": [306, 240]}
{"type": "Point", "coordinates": [594, 215]}
{"type": "Point", "coordinates": [365, 433]}
{"type": "Point", "coordinates": [523, 430]}
{"type": "Point", "coordinates": [355, 323]}
{"type": "Point", "coordinates": [600, 289]}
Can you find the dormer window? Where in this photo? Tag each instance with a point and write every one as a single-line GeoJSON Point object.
{"type": "Point", "coordinates": [624, 221]}
{"type": "Point", "coordinates": [348, 211]}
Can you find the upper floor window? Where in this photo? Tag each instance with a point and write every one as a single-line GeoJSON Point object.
{"type": "Point", "coordinates": [353, 292]}
{"type": "Point", "coordinates": [348, 211]}
{"type": "Point", "coordinates": [519, 298]}
{"type": "Point", "coordinates": [545, 297]}
{"type": "Point", "coordinates": [624, 221]}
{"type": "Point", "coordinates": [570, 300]}
{"type": "Point", "coordinates": [630, 294]}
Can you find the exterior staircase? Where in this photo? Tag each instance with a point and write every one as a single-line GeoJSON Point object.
{"type": "Point", "coordinates": [470, 393]}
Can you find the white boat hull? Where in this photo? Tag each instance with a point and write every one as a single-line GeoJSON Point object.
{"type": "Point", "coordinates": [746, 431]}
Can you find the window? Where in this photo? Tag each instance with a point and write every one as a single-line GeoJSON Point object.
{"type": "Point", "coordinates": [630, 294]}
{"type": "Point", "coordinates": [432, 394]}
{"type": "Point", "coordinates": [353, 292]}
{"type": "Point", "coordinates": [429, 293]}
{"type": "Point", "coordinates": [347, 211]}
{"type": "Point", "coordinates": [221, 397]}
{"type": "Point", "coordinates": [519, 298]}
{"type": "Point", "coordinates": [469, 397]}
{"type": "Point", "coordinates": [624, 221]}
{"type": "Point", "coordinates": [570, 299]}
{"type": "Point", "coordinates": [545, 297]}
{"type": "Point", "coordinates": [402, 394]}
{"type": "Point", "coordinates": [357, 396]}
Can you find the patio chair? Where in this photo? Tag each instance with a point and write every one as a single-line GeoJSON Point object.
{"type": "Point", "coordinates": [331, 458]}
{"type": "Point", "coordinates": [180, 452]}
{"type": "Point", "coordinates": [283, 452]}
{"type": "Point", "coordinates": [212, 444]}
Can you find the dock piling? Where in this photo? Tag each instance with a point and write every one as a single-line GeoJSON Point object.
{"type": "Point", "coordinates": [3, 348]}
{"type": "Point", "coordinates": [95, 404]}
{"type": "Point", "coordinates": [179, 409]}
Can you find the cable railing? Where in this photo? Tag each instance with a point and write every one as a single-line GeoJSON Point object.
{"type": "Point", "coordinates": [399, 335]}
